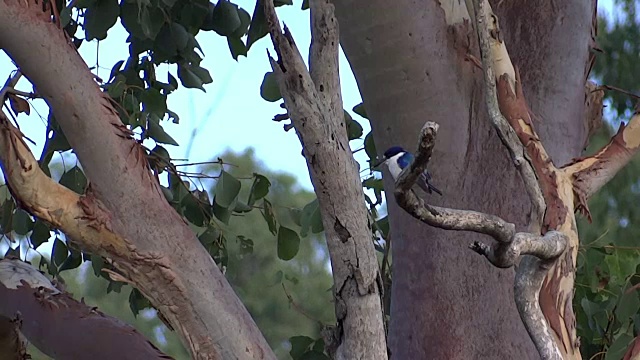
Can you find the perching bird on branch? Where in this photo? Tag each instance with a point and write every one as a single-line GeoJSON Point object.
{"type": "Point", "coordinates": [397, 159]}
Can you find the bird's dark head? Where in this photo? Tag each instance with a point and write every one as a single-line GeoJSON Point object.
{"type": "Point", "coordinates": [393, 151]}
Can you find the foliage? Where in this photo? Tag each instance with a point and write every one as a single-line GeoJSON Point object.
{"type": "Point", "coordinates": [607, 302]}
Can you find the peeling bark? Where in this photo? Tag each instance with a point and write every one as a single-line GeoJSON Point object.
{"type": "Point", "coordinates": [314, 104]}
{"type": "Point", "coordinates": [123, 216]}
{"type": "Point", "coordinates": [73, 329]}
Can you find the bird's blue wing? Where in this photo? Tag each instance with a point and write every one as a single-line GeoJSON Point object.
{"type": "Point", "coordinates": [425, 184]}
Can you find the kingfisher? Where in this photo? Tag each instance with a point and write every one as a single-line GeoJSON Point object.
{"type": "Point", "coordinates": [397, 159]}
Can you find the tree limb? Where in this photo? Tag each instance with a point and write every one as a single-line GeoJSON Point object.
{"type": "Point", "coordinates": [591, 173]}
{"type": "Point", "coordinates": [74, 330]}
{"type": "Point", "coordinates": [124, 217]}
{"type": "Point", "coordinates": [314, 104]}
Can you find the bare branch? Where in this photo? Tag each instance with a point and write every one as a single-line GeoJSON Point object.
{"type": "Point", "coordinates": [547, 247]}
{"type": "Point", "coordinates": [314, 104]}
{"type": "Point", "coordinates": [590, 174]}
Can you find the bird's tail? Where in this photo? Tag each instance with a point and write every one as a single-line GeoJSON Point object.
{"type": "Point", "coordinates": [433, 188]}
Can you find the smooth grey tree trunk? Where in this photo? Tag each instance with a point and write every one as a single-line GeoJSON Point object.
{"type": "Point", "coordinates": [448, 302]}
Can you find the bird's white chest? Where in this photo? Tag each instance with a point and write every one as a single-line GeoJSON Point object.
{"type": "Point", "coordinates": [394, 168]}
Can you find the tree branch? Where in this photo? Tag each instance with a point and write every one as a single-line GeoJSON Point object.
{"type": "Point", "coordinates": [314, 104]}
{"type": "Point", "coordinates": [591, 173]}
{"type": "Point", "coordinates": [74, 330]}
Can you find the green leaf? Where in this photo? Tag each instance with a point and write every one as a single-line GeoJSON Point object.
{"type": "Point", "coordinates": [277, 3]}
{"type": "Point", "coordinates": [40, 234]}
{"type": "Point", "coordinates": [259, 189]}
{"type": "Point", "coordinates": [360, 110]}
{"type": "Point", "coordinates": [319, 345]}
{"type": "Point", "coordinates": [288, 243]}
{"type": "Point", "coordinates": [258, 28]}
{"type": "Point", "coordinates": [117, 87]}
{"type": "Point", "coordinates": [159, 158]}
{"type": "Point", "coordinates": [269, 89]}
{"type": "Point", "coordinates": [227, 189]}
{"type": "Point", "coordinates": [137, 301]}
{"type": "Point", "coordinates": [354, 129]}
{"type": "Point", "coordinates": [21, 222]}
{"type": "Point", "coordinates": [370, 147]}
{"type": "Point", "coordinates": [305, 5]}
{"type": "Point", "coordinates": [209, 236]}
{"type": "Point", "coordinates": [194, 13]}
{"type": "Point", "coordinates": [74, 180]}
{"type": "Point", "coordinates": [59, 252]}
{"type": "Point", "coordinates": [619, 346]}
{"type": "Point", "coordinates": [299, 345]}
{"type": "Point", "coordinates": [383, 226]}
{"type": "Point", "coordinates": [245, 21]}
{"type": "Point", "coordinates": [157, 133]}
{"type": "Point", "coordinates": [180, 35]}
{"type": "Point", "coordinates": [628, 306]}
{"type": "Point", "coordinates": [141, 21]}
{"type": "Point", "coordinates": [131, 103]}
{"type": "Point", "coordinates": [373, 183]}
{"type": "Point", "coordinates": [73, 260]}
{"type": "Point", "coordinates": [188, 78]}
{"type": "Point", "coordinates": [269, 216]}
{"type": "Point", "coordinates": [65, 16]}
{"type": "Point", "coordinates": [241, 207]}
{"type": "Point", "coordinates": [202, 73]}
{"type": "Point", "coordinates": [115, 286]}
{"type": "Point", "coordinates": [99, 18]}
{"type": "Point", "coordinates": [7, 216]}
{"type": "Point", "coordinates": [154, 102]}
{"type": "Point", "coordinates": [196, 210]}
{"type": "Point", "coordinates": [97, 263]}
{"type": "Point", "coordinates": [224, 19]}
{"type": "Point", "coordinates": [237, 47]}
{"type": "Point", "coordinates": [310, 219]}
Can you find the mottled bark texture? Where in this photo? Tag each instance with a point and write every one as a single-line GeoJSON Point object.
{"type": "Point", "coordinates": [123, 216]}
{"type": "Point", "coordinates": [409, 62]}
{"type": "Point", "coordinates": [314, 104]}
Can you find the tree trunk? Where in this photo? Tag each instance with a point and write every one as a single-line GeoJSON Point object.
{"type": "Point", "coordinates": [409, 62]}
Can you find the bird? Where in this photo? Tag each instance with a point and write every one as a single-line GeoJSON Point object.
{"type": "Point", "coordinates": [396, 158]}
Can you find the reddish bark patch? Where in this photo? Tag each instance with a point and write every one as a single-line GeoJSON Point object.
{"type": "Point", "coordinates": [515, 109]}
{"type": "Point", "coordinates": [549, 295]}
